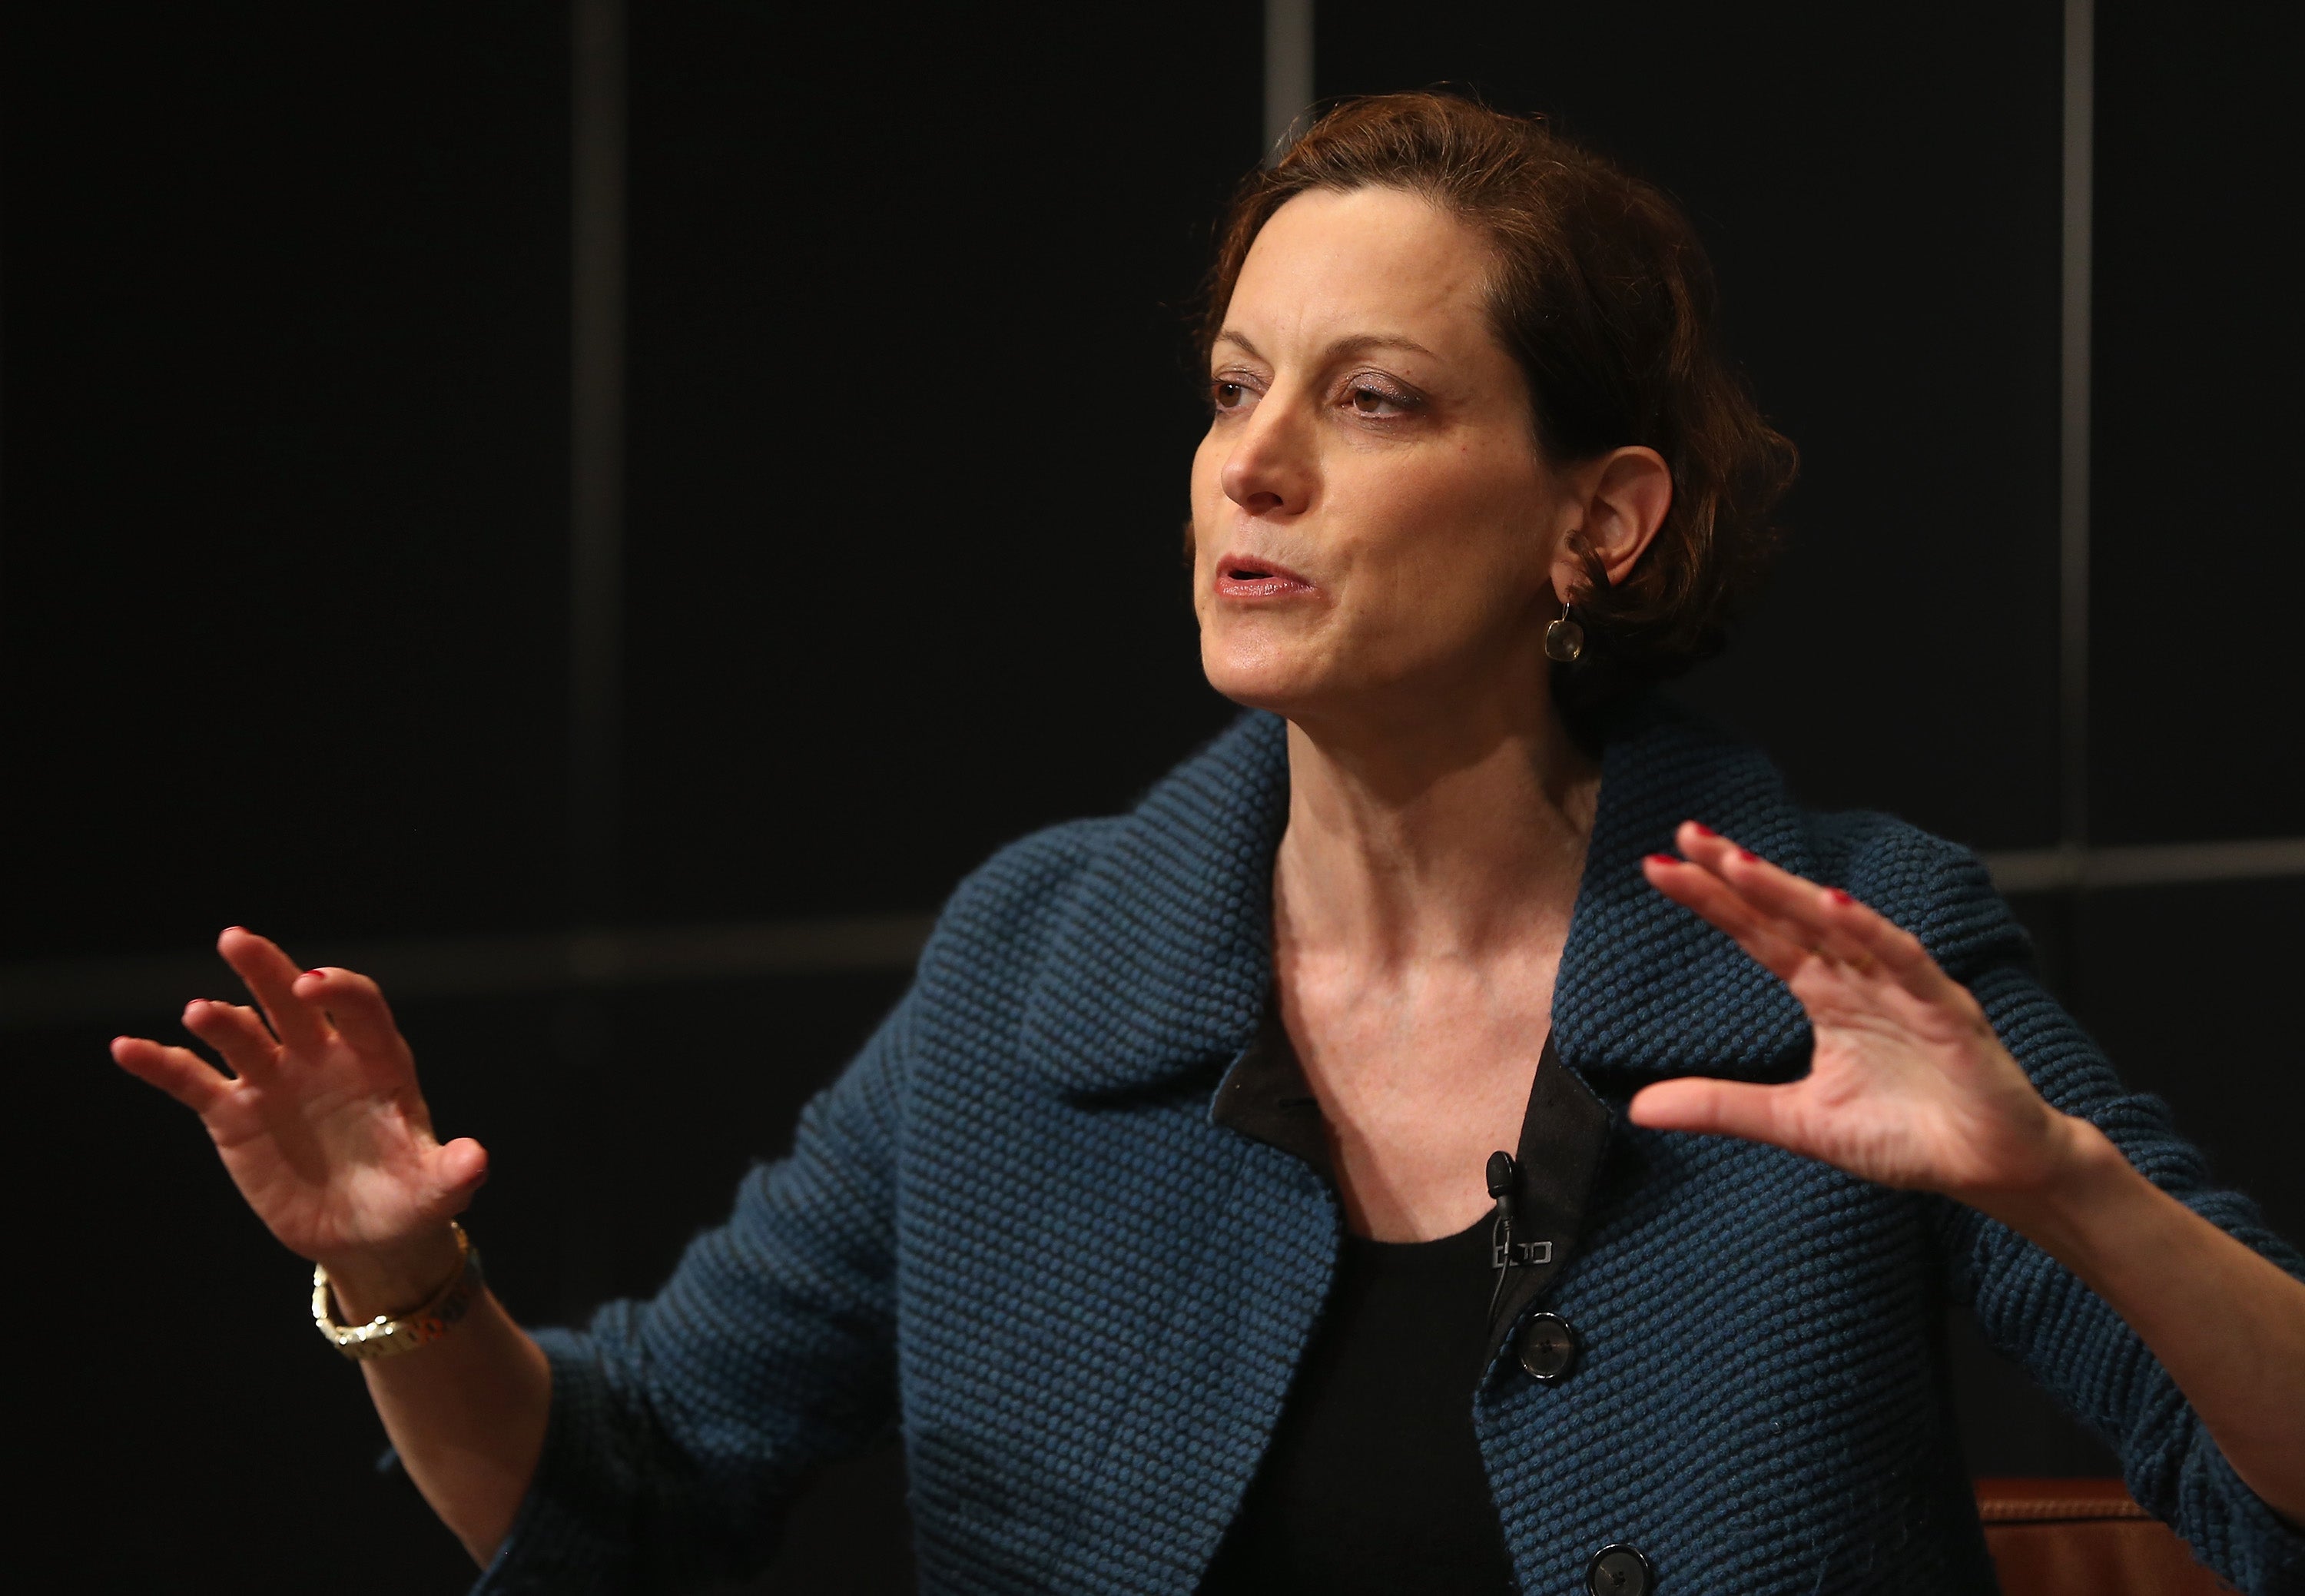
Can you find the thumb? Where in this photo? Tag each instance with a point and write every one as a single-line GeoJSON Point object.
{"type": "Point", "coordinates": [1700, 1104]}
{"type": "Point", "coordinates": [455, 1173]}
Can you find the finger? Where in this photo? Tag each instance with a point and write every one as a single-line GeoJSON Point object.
{"type": "Point", "coordinates": [1690, 886]}
{"type": "Point", "coordinates": [179, 1072]}
{"type": "Point", "coordinates": [1797, 907]}
{"type": "Point", "coordinates": [456, 1171]}
{"type": "Point", "coordinates": [271, 976]}
{"type": "Point", "coordinates": [1896, 949]}
{"type": "Point", "coordinates": [1825, 917]}
{"type": "Point", "coordinates": [355, 1006]}
{"type": "Point", "coordinates": [1706, 1107]}
{"type": "Point", "coordinates": [234, 1032]}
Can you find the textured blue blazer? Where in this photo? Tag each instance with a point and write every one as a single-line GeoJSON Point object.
{"type": "Point", "coordinates": [1011, 1233]}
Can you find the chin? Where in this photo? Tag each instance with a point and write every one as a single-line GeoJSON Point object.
{"type": "Point", "coordinates": [1265, 674]}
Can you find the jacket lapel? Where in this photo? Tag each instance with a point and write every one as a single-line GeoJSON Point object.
{"type": "Point", "coordinates": [1162, 957]}
{"type": "Point", "coordinates": [1645, 988]}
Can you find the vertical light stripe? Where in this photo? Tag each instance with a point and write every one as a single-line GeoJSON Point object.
{"type": "Point", "coordinates": [597, 453]}
{"type": "Point", "coordinates": [1288, 71]}
{"type": "Point", "coordinates": [2073, 409]}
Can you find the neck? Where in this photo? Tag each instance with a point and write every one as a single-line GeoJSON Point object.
{"type": "Point", "coordinates": [1441, 837]}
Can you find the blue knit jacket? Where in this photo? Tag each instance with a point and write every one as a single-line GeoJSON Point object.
{"type": "Point", "coordinates": [1011, 1233]}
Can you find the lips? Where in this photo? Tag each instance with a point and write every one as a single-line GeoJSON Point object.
{"type": "Point", "coordinates": [1241, 578]}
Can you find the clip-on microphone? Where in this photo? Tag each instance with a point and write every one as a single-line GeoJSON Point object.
{"type": "Point", "coordinates": [1501, 1173]}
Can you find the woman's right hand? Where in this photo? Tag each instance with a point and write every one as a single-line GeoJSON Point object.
{"type": "Point", "coordinates": [321, 1126]}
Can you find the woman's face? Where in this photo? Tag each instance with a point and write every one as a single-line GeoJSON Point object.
{"type": "Point", "coordinates": [1374, 526]}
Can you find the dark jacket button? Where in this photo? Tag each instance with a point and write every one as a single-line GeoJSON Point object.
{"type": "Point", "coordinates": [1547, 1347]}
{"type": "Point", "coordinates": [1618, 1570]}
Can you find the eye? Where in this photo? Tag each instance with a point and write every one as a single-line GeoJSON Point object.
{"type": "Point", "coordinates": [1232, 391]}
{"type": "Point", "coordinates": [1377, 400]}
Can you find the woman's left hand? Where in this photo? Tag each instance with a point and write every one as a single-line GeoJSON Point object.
{"type": "Point", "coordinates": [1910, 1086]}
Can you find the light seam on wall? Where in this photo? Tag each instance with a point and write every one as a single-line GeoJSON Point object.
{"type": "Point", "coordinates": [71, 990]}
{"type": "Point", "coordinates": [596, 453]}
{"type": "Point", "coordinates": [68, 991]}
{"type": "Point", "coordinates": [2154, 863]}
{"type": "Point", "coordinates": [2074, 334]}
{"type": "Point", "coordinates": [1288, 71]}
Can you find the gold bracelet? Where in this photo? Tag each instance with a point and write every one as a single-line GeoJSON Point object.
{"type": "Point", "coordinates": [389, 1333]}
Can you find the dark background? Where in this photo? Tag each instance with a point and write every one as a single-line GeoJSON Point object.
{"type": "Point", "coordinates": [284, 488]}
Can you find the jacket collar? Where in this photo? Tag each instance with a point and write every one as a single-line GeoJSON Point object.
{"type": "Point", "coordinates": [1161, 963]}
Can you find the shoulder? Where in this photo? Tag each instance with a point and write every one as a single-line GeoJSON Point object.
{"type": "Point", "coordinates": [1936, 889]}
{"type": "Point", "coordinates": [1093, 928]}
{"type": "Point", "coordinates": [1671, 764]}
{"type": "Point", "coordinates": [1003, 913]}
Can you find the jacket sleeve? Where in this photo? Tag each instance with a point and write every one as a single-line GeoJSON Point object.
{"type": "Point", "coordinates": [2065, 1335]}
{"type": "Point", "coordinates": [681, 1426]}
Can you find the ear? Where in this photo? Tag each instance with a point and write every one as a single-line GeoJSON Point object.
{"type": "Point", "coordinates": [1625, 494]}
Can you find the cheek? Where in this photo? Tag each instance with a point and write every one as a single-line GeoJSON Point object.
{"type": "Point", "coordinates": [1198, 511]}
{"type": "Point", "coordinates": [1453, 520]}
{"type": "Point", "coordinates": [1448, 556]}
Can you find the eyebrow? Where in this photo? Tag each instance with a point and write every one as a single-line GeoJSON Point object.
{"type": "Point", "coordinates": [1342, 349]}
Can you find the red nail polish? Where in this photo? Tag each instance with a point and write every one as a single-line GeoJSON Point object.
{"type": "Point", "coordinates": [1838, 896]}
{"type": "Point", "coordinates": [1750, 859]}
{"type": "Point", "coordinates": [1662, 859]}
{"type": "Point", "coordinates": [316, 972]}
{"type": "Point", "coordinates": [1702, 829]}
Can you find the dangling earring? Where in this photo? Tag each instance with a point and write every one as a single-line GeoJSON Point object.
{"type": "Point", "coordinates": [1564, 639]}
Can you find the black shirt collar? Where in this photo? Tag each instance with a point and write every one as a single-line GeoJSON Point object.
{"type": "Point", "coordinates": [1564, 1134]}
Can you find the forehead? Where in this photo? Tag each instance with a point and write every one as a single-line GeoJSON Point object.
{"type": "Point", "coordinates": [1373, 262]}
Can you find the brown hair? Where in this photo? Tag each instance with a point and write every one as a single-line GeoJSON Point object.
{"type": "Point", "coordinates": [1605, 296]}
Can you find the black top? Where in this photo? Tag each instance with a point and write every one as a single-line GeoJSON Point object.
{"type": "Point", "coordinates": [1373, 1481]}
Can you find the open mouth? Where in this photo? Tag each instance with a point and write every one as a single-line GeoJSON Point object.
{"type": "Point", "coordinates": [1257, 579]}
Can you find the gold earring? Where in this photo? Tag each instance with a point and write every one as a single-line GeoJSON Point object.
{"type": "Point", "coordinates": [1564, 639]}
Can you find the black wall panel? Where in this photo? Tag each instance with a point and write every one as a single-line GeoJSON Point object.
{"type": "Point", "coordinates": [2200, 532]}
{"type": "Point", "coordinates": [912, 419]}
{"type": "Point", "coordinates": [1881, 202]}
{"type": "Point", "coordinates": [2190, 989]}
{"type": "Point", "coordinates": [286, 410]}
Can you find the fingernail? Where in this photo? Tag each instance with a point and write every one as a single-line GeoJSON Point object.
{"type": "Point", "coordinates": [1662, 859]}
{"type": "Point", "coordinates": [1702, 829]}
{"type": "Point", "coordinates": [316, 972]}
{"type": "Point", "coordinates": [1838, 896]}
{"type": "Point", "coordinates": [1750, 859]}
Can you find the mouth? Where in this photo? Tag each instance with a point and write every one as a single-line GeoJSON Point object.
{"type": "Point", "coordinates": [1241, 578]}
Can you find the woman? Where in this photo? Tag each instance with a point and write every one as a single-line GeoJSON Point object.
{"type": "Point", "coordinates": [1357, 1167]}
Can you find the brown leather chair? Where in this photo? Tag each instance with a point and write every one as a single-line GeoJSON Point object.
{"type": "Point", "coordinates": [2084, 1538]}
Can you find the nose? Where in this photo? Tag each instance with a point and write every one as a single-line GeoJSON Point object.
{"type": "Point", "coordinates": [1271, 470]}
